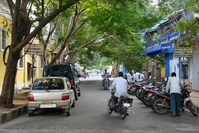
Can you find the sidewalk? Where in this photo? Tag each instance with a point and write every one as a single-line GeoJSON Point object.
{"type": "Point", "coordinates": [20, 107]}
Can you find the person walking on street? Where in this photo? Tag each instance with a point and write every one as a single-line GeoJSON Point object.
{"type": "Point", "coordinates": [174, 86]}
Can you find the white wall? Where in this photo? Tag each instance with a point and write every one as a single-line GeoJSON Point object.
{"type": "Point", "coordinates": [174, 66]}
{"type": "Point", "coordinates": [191, 70]}
{"type": "Point", "coordinates": [4, 9]}
{"type": "Point", "coordinates": [195, 83]}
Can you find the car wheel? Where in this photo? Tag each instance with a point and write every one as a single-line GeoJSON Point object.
{"type": "Point", "coordinates": [73, 105]}
{"type": "Point", "coordinates": [76, 96]}
{"type": "Point", "coordinates": [68, 112]}
{"type": "Point", "coordinates": [31, 113]}
{"type": "Point", "coordinates": [79, 94]}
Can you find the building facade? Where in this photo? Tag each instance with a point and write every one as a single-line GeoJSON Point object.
{"type": "Point", "coordinates": [164, 39]}
{"type": "Point", "coordinates": [24, 68]}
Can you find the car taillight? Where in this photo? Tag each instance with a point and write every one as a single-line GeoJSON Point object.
{"type": "Point", "coordinates": [30, 97]}
{"type": "Point", "coordinates": [65, 96]}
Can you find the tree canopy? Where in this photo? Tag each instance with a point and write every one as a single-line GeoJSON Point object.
{"type": "Point", "coordinates": [117, 29]}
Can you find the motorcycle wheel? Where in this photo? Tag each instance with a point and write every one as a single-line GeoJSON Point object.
{"type": "Point", "coordinates": [134, 90]}
{"type": "Point", "coordinates": [109, 110]}
{"type": "Point", "coordinates": [145, 99]}
{"type": "Point", "coordinates": [137, 94]}
{"type": "Point", "coordinates": [191, 106]}
{"type": "Point", "coordinates": [141, 95]}
{"type": "Point", "coordinates": [151, 101]}
{"type": "Point", "coordinates": [160, 106]}
{"type": "Point", "coordinates": [123, 112]}
{"type": "Point", "coordinates": [105, 86]}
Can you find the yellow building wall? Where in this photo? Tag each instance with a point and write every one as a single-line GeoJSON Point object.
{"type": "Point", "coordinates": [22, 79]}
{"type": "Point", "coordinates": [163, 71]}
{"type": "Point", "coordinates": [19, 79]}
{"type": "Point", "coordinates": [2, 69]}
{"type": "Point", "coordinates": [40, 67]}
{"type": "Point", "coordinates": [3, 23]}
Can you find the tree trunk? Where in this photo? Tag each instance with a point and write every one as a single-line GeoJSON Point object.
{"type": "Point", "coordinates": [9, 81]}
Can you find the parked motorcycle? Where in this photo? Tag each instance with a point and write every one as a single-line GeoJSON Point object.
{"type": "Point", "coordinates": [135, 88]}
{"type": "Point", "coordinates": [120, 106]}
{"type": "Point", "coordinates": [151, 91]}
{"type": "Point", "coordinates": [161, 104]}
{"type": "Point", "coordinates": [139, 88]}
{"type": "Point", "coordinates": [146, 94]}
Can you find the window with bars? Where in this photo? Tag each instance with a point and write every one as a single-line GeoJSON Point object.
{"type": "Point", "coordinates": [41, 62]}
{"type": "Point", "coordinates": [20, 61]}
{"type": "Point", "coordinates": [3, 39]}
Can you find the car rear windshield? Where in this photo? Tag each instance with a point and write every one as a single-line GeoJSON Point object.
{"type": "Point", "coordinates": [59, 70]}
{"type": "Point", "coordinates": [48, 84]}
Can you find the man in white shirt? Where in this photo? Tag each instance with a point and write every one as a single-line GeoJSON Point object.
{"type": "Point", "coordinates": [129, 77]}
{"type": "Point", "coordinates": [137, 76]}
{"type": "Point", "coordinates": [134, 77]}
{"type": "Point", "coordinates": [142, 77]}
{"type": "Point", "coordinates": [120, 85]}
{"type": "Point", "coordinates": [174, 86]}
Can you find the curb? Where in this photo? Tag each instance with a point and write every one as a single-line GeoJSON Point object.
{"type": "Point", "coordinates": [12, 114]}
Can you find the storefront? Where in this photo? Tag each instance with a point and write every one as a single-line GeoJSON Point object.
{"type": "Point", "coordinates": [164, 46]}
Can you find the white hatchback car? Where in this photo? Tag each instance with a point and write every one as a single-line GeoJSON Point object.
{"type": "Point", "coordinates": [51, 92]}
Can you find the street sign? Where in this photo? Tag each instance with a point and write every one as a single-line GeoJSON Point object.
{"type": "Point", "coordinates": [34, 49]}
{"type": "Point", "coordinates": [183, 52]}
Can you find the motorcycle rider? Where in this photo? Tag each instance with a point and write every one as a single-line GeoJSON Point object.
{"type": "Point", "coordinates": [174, 86]}
{"type": "Point", "coordinates": [120, 85]}
{"type": "Point", "coordinates": [105, 76]}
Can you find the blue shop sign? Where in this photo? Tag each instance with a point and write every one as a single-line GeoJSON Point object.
{"type": "Point", "coordinates": [174, 36]}
{"type": "Point", "coordinates": [164, 40]}
{"type": "Point", "coordinates": [168, 47]}
{"type": "Point", "coordinates": [152, 47]}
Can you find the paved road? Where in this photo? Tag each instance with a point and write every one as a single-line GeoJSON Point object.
{"type": "Point", "coordinates": [89, 116]}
